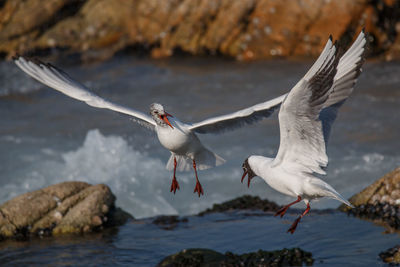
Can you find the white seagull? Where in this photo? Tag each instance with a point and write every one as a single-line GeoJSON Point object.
{"type": "Point", "coordinates": [305, 118]}
{"type": "Point", "coordinates": [178, 137]}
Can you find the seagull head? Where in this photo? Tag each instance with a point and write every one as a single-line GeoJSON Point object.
{"type": "Point", "coordinates": [247, 171]}
{"type": "Point", "coordinates": [159, 115]}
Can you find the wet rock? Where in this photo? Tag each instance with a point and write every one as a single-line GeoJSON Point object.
{"type": "Point", "coordinates": [168, 222]}
{"type": "Point", "coordinates": [379, 201]}
{"type": "Point", "coordinates": [384, 190]}
{"type": "Point", "coordinates": [193, 257]}
{"type": "Point", "coordinates": [206, 257]}
{"type": "Point", "coordinates": [245, 30]}
{"type": "Point", "coordinates": [391, 255]}
{"type": "Point", "coordinates": [69, 207]}
{"type": "Point", "coordinates": [245, 202]}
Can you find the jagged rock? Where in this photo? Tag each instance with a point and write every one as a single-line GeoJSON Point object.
{"type": "Point", "coordinates": [245, 202]}
{"type": "Point", "coordinates": [384, 190]}
{"type": "Point", "coordinates": [69, 207]}
{"type": "Point", "coordinates": [379, 202]}
{"type": "Point", "coordinates": [246, 30]}
{"type": "Point", "coordinates": [207, 257]}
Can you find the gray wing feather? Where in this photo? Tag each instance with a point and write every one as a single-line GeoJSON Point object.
{"type": "Point", "coordinates": [307, 115]}
{"type": "Point", "coordinates": [239, 118]}
{"type": "Point", "coordinates": [62, 82]}
{"type": "Point", "coordinates": [348, 71]}
{"type": "Point", "coordinates": [302, 143]}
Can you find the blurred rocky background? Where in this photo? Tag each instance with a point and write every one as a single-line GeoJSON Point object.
{"type": "Point", "coordinates": [244, 30]}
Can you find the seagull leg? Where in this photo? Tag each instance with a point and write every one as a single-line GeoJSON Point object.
{"type": "Point", "coordinates": [198, 187]}
{"type": "Point", "coordinates": [294, 225]}
{"type": "Point", "coordinates": [283, 210]}
{"type": "Point", "coordinates": [174, 184]}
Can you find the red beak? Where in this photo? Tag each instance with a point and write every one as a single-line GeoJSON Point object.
{"type": "Point", "coordinates": [244, 176]}
{"type": "Point", "coordinates": [165, 119]}
{"type": "Point", "coordinates": [248, 178]}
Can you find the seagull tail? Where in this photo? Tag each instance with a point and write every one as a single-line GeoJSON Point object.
{"type": "Point", "coordinates": [330, 192]}
{"type": "Point", "coordinates": [205, 159]}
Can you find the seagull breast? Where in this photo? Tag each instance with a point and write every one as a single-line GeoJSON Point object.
{"type": "Point", "coordinates": [179, 139]}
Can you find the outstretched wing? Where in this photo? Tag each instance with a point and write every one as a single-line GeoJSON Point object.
{"type": "Point", "coordinates": [239, 118]}
{"type": "Point", "coordinates": [302, 146]}
{"type": "Point", "coordinates": [311, 107]}
{"type": "Point", "coordinates": [348, 70]}
{"type": "Point", "coordinates": [60, 81]}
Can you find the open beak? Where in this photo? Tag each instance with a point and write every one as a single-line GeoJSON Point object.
{"type": "Point", "coordinates": [248, 177]}
{"type": "Point", "coordinates": [244, 176]}
{"type": "Point", "coordinates": [165, 119]}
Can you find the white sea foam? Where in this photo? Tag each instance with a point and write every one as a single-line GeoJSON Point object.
{"type": "Point", "coordinates": [141, 183]}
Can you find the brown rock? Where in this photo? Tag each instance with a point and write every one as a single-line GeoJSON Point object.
{"type": "Point", "coordinates": [391, 255]}
{"type": "Point", "coordinates": [69, 207]}
{"type": "Point", "coordinates": [381, 191]}
{"type": "Point", "coordinates": [246, 29]}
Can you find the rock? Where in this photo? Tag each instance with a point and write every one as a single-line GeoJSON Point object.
{"type": "Point", "coordinates": [381, 191]}
{"type": "Point", "coordinates": [379, 201]}
{"type": "Point", "coordinates": [69, 207]}
{"type": "Point", "coordinates": [391, 255]}
{"type": "Point", "coordinates": [207, 257]}
{"type": "Point", "coordinates": [168, 222]}
{"type": "Point", "coordinates": [193, 257]}
{"type": "Point", "coordinates": [245, 202]}
{"type": "Point", "coordinates": [245, 30]}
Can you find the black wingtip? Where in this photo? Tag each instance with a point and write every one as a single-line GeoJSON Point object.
{"type": "Point", "coordinates": [15, 57]}
{"type": "Point", "coordinates": [330, 37]}
{"type": "Point", "coordinates": [335, 44]}
{"type": "Point", "coordinates": [363, 30]}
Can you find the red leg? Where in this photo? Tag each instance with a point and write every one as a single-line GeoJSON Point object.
{"type": "Point", "coordinates": [198, 187]}
{"type": "Point", "coordinates": [283, 210]}
{"type": "Point", "coordinates": [174, 184]}
{"type": "Point", "coordinates": [294, 225]}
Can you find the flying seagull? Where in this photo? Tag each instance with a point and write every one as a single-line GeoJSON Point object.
{"type": "Point", "coordinates": [178, 137]}
{"type": "Point", "coordinates": [305, 119]}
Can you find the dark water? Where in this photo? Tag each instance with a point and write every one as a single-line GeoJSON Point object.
{"type": "Point", "coordinates": [46, 137]}
{"type": "Point", "coordinates": [333, 238]}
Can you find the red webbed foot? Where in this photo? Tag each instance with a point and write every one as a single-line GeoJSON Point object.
{"type": "Point", "coordinates": [174, 185]}
{"type": "Point", "coordinates": [294, 225]}
{"type": "Point", "coordinates": [198, 189]}
{"type": "Point", "coordinates": [282, 211]}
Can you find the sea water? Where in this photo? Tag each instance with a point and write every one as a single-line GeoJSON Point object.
{"type": "Point", "coordinates": [47, 138]}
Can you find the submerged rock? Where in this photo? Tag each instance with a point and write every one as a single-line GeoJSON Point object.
{"type": "Point", "coordinates": [391, 255]}
{"type": "Point", "coordinates": [207, 257]}
{"type": "Point", "coordinates": [69, 207]}
{"type": "Point", "coordinates": [245, 202]}
{"type": "Point", "coordinates": [379, 201]}
{"type": "Point", "coordinates": [168, 222]}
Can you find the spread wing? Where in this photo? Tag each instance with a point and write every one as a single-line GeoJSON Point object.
{"type": "Point", "coordinates": [309, 110]}
{"type": "Point", "coordinates": [348, 70]}
{"type": "Point", "coordinates": [239, 118]}
{"type": "Point", "coordinates": [302, 144]}
{"type": "Point", "coordinates": [60, 81]}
